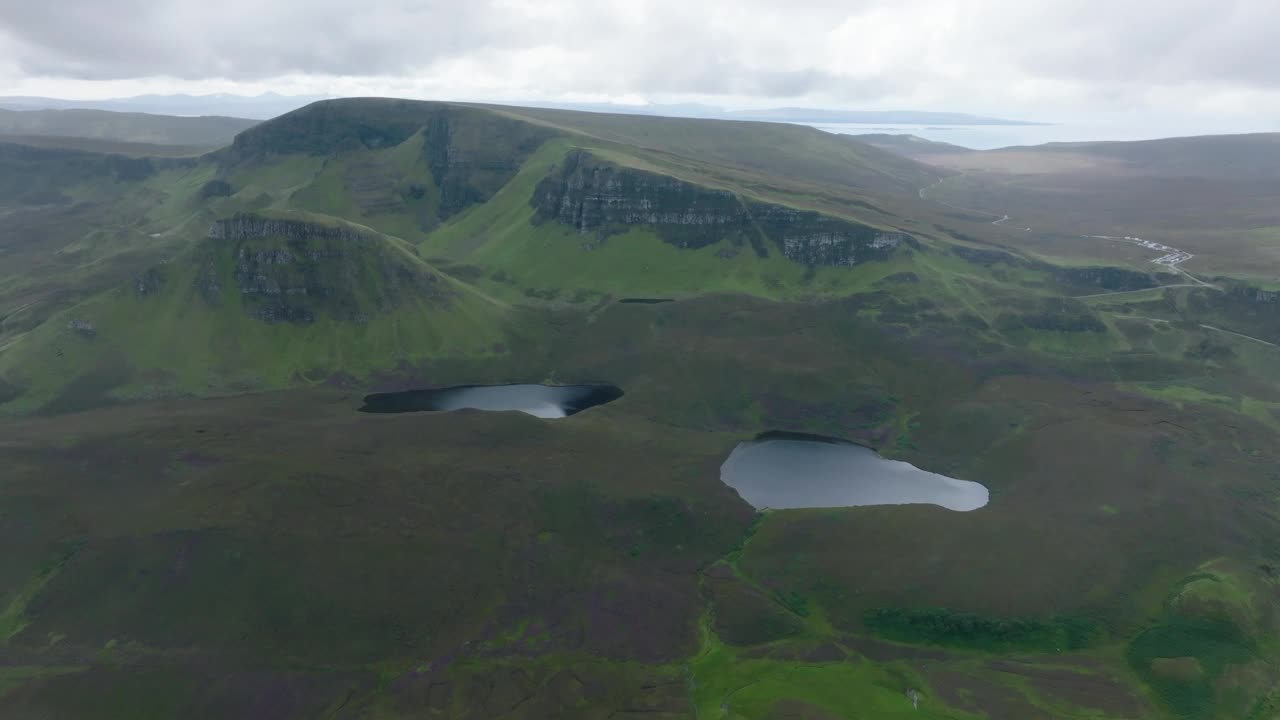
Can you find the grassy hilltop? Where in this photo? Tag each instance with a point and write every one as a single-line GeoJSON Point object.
{"type": "Point", "coordinates": [199, 523]}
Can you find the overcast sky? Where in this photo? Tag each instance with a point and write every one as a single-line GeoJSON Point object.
{"type": "Point", "coordinates": [1034, 59]}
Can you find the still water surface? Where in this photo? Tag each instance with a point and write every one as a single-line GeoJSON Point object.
{"type": "Point", "coordinates": [783, 473]}
{"type": "Point", "coordinates": [544, 401]}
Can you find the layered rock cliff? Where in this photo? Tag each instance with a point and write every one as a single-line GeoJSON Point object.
{"type": "Point", "coordinates": [1257, 295]}
{"type": "Point", "coordinates": [248, 227]}
{"type": "Point", "coordinates": [598, 198]}
{"type": "Point", "coordinates": [296, 271]}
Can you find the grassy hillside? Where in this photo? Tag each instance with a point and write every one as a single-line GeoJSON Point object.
{"type": "Point", "coordinates": [778, 150]}
{"type": "Point", "coordinates": [198, 522]}
{"type": "Point", "coordinates": [208, 132]}
{"type": "Point", "coordinates": [261, 302]}
{"type": "Point", "coordinates": [911, 146]}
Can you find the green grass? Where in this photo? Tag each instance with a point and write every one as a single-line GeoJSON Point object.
{"type": "Point", "coordinates": [728, 686]}
{"type": "Point", "coordinates": [966, 630]}
{"type": "Point", "coordinates": [224, 346]}
{"type": "Point", "coordinates": [125, 127]}
{"type": "Point", "coordinates": [1214, 646]}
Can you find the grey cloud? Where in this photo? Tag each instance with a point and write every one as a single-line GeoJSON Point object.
{"type": "Point", "coordinates": [242, 39]}
{"type": "Point", "coordinates": [775, 48]}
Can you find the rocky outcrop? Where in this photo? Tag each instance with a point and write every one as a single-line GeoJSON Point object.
{"type": "Point", "coordinates": [473, 155]}
{"type": "Point", "coordinates": [598, 198]}
{"type": "Point", "coordinates": [602, 199]}
{"type": "Point", "coordinates": [1052, 315]}
{"type": "Point", "coordinates": [988, 258]}
{"type": "Point", "coordinates": [811, 238]}
{"type": "Point", "coordinates": [217, 189]}
{"type": "Point", "coordinates": [246, 226]}
{"type": "Point", "coordinates": [149, 282]}
{"type": "Point", "coordinates": [1257, 295]}
{"type": "Point", "coordinates": [295, 271]}
{"type": "Point", "coordinates": [82, 327]}
{"type": "Point", "coordinates": [1103, 277]}
{"type": "Point", "coordinates": [471, 152]}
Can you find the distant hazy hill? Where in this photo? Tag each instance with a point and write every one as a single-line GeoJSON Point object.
{"type": "Point", "coordinates": [910, 146]}
{"type": "Point", "coordinates": [260, 107]}
{"type": "Point", "coordinates": [271, 105]}
{"type": "Point", "coordinates": [905, 117]}
{"type": "Point", "coordinates": [1213, 196]}
{"type": "Point", "coordinates": [1234, 157]}
{"type": "Point", "coordinates": [786, 114]}
{"type": "Point", "coordinates": [208, 132]}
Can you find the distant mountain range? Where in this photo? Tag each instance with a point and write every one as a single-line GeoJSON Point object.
{"type": "Point", "coordinates": [257, 107]}
{"type": "Point", "coordinates": [808, 116]}
{"type": "Point", "coordinates": [269, 105]}
{"type": "Point", "coordinates": [150, 130]}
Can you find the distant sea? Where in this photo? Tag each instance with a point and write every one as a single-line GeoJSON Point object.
{"type": "Point", "coordinates": [985, 137]}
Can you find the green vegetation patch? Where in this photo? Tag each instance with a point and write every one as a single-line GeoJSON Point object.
{"type": "Point", "coordinates": [727, 685]}
{"type": "Point", "coordinates": [1181, 658]}
{"type": "Point", "coordinates": [938, 626]}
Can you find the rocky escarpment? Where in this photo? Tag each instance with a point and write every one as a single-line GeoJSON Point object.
{"type": "Point", "coordinates": [1256, 295]}
{"type": "Point", "coordinates": [1052, 315]}
{"type": "Point", "coordinates": [1114, 279]}
{"type": "Point", "coordinates": [297, 272]}
{"type": "Point", "coordinates": [472, 155]}
{"type": "Point", "coordinates": [814, 239]}
{"type": "Point", "coordinates": [1107, 278]}
{"type": "Point", "coordinates": [601, 199]}
{"type": "Point", "coordinates": [249, 227]}
{"type": "Point", "coordinates": [470, 152]}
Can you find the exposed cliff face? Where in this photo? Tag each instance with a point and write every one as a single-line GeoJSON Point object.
{"type": "Point", "coordinates": [295, 271]}
{"type": "Point", "coordinates": [473, 155]}
{"type": "Point", "coordinates": [470, 153]}
{"type": "Point", "coordinates": [1107, 278]}
{"type": "Point", "coordinates": [596, 197]}
{"type": "Point", "coordinates": [814, 239]}
{"type": "Point", "coordinates": [1103, 277]}
{"type": "Point", "coordinates": [1257, 295]}
{"type": "Point", "coordinates": [249, 227]}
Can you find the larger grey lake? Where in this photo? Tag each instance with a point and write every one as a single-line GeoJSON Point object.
{"type": "Point", "coordinates": [781, 473]}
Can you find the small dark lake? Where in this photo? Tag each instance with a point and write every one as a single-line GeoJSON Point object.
{"type": "Point", "coordinates": [544, 401]}
{"type": "Point", "coordinates": [782, 471]}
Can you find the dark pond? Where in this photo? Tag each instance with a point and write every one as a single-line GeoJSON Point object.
{"type": "Point", "coordinates": [792, 471]}
{"type": "Point", "coordinates": [544, 401]}
{"type": "Point", "coordinates": [645, 301]}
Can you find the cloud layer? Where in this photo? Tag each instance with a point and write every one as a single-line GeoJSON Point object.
{"type": "Point", "coordinates": [926, 53]}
